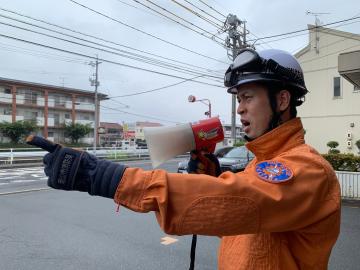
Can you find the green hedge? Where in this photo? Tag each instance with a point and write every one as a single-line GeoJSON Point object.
{"type": "Point", "coordinates": [344, 162]}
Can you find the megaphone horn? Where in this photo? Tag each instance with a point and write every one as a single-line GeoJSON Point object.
{"type": "Point", "coordinates": [165, 143]}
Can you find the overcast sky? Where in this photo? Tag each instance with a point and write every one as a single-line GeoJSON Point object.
{"type": "Point", "coordinates": [23, 61]}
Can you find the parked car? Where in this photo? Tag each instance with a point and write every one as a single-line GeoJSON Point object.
{"type": "Point", "coordinates": [220, 152]}
{"type": "Point", "coordinates": [236, 159]}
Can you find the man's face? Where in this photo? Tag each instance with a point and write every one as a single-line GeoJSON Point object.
{"type": "Point", "coordinates": [254, 109]}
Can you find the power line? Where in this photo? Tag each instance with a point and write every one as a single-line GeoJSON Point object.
{"type": "Point", "coordinates": [168, 66]}
{"type": "Point", "coordinates": [41, 54]}
{"type": "Point", "coordinates": [319, 57]}
{"type": "Point", "coordinates": [303, 34]}
{"type": "Point", "coordinates": [144, 10]}
{"type": "Point", "coordinates": [143, 32]}
{"type": "Point", "coordinates": [328, 31]}
{"type": "Point", "coordinates": [153, 90]}
{"type": "Point", "coordinates": [192, 24]}
{"type": "Point", "coordinates": [133, 56]}
{"type": "Point", "coordinates": [141, 115]}
{"type": "Point", "coordinates": [302, 30]}
{"type": "Point", "coordinates": [203, 11]}
{"type": "Point", "coordinates": [101, 39]}
{"type": "Point", "coordinates": [198, 15]}
{"type": "Point", "coordinates": [212, 8]}
{"type": "Point", "coordinates": [103, 60]}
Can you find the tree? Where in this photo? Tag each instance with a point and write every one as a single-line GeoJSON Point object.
{"type": "Point", "coordinates": [357, 143]}
{"type": "Point", "coordinates": [333, 145]}
{"type": "Point", "coordinates": [77, 131]}
{"type": "Point", "coordinates": [17, 130]}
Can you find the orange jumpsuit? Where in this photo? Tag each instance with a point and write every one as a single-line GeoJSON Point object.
{"type": "Point", "coordinates": [290, 224]}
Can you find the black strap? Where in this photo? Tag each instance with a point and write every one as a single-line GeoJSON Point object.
{"type": "Point", "coordinates": [192, 252]}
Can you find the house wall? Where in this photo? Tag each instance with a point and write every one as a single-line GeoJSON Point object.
{"type": "Point", "coordinates": [325, 117]}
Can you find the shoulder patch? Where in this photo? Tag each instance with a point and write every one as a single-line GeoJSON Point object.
{"type": "Point", "coordinates": [273, 171]}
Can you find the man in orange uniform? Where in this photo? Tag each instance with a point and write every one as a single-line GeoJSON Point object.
{"type": "Point", "coordinates": [281, 212]}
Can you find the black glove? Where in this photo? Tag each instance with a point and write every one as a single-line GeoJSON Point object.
{"type": "Point", "coordinates": [70, 169]}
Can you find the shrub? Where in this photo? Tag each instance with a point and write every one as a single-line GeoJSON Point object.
{"type": "Point", "coordinates": [18, 130]}
{"type": "Point", "coordinates": [239, 143]}
{"type": "Point", "coordinates": [332, 145]}
{"type": "Point", "coordinates": [76, 131]}
{"type": "Point", "coordinates": [357, 143]}
{"type": "Point", "coordinates": [343, 162]}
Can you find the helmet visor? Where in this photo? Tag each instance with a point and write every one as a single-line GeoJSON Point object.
{"type": "Point", "coordinates": [249, 62]}
{"type": "Point", "coordinates": [245, 58]}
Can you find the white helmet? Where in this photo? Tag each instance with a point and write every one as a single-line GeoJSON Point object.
{"type": "Point", "coordinates": [268, 66]}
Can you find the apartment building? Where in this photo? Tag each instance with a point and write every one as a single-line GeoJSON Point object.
{"type": "Point", "coordinates": [227, 134]}
{"type": "Point", "coordinates": [50, 106]}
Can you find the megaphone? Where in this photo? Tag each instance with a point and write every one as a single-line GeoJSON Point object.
{"type": "Point", "coordinates": [165, 143]}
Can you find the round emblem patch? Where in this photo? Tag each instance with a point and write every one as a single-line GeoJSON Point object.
{"type": "Point", "coordinates": [273, 171]}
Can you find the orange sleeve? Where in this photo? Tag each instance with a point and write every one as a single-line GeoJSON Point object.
{"type": "Point", "coordinates": [233, 204]}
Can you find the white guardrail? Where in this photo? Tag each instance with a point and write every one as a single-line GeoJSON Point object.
{"type": "Point", "coordinates": [18, 156]}
{"type": "Point", "coordinates": [349, 184]}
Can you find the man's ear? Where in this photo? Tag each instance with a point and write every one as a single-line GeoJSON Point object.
{"type": "Point", "coordinates": [283, 100]}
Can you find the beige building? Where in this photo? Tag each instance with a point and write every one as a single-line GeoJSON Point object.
{"type": "Point", "coordinates": [50, 106]}
{"type": "Point", "coordinates": [332, 108]}
{"type": "Point", "coordinates": [139, 128]}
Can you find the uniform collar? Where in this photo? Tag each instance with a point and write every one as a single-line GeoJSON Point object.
{"type": "Point", "coordinates": [281, 139]}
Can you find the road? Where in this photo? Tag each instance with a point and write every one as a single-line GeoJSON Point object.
{"type": "Point", "coordinates": [49, 229]}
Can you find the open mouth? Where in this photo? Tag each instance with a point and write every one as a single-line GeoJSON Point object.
{"type": "Point", "coordinates": [245, 123]}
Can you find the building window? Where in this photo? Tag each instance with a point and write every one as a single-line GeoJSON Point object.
{"type": "Point", "coordinates": [50, 134]}
{"type": "Point", "coordinates": [337, 90]}
{"type": "Point", "coordinates": [7, 91]}
{"type": "Point", "coordinates": [7, 111]}
{"type": "Point", "coordinates": [67, 116]}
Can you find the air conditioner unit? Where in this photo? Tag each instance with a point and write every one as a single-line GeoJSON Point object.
{"type": "Point", "coordinates": [349, 144]}
{"type": "Point", "coordinates": [349, 135]}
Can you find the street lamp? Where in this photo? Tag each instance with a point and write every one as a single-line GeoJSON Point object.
{"type": "Point", "coordinates": [205, 101]}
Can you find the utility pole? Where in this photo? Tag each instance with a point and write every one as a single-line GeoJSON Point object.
{"type": "Point", "coordinates": [235, 41]}
{"type": "Point", "coordinates": [95, 82]}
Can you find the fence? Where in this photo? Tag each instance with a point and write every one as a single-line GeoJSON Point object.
{"type": "Point", "coordinates": [349, 184]}
{"type": "Point", "coordinates": [21, 156]}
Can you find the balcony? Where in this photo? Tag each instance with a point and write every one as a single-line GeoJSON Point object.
{"type": "Point", "coordinates": [62, 104]}
{"type": "Point", "coordinates": [84, 122]}
{"type": "Point", "coordinates": [68, 121]}
{"type": "Point", "coordinates": [88, 107]}
{"type": "Point", "coordinates": [6, 98]}
{"type": "Point", "coordinates": [51, 122]}
{"type": "Point", "coordinates": [6, 118]}
{"type": "Point", "coordinates": [20, 99]}
{"type": "Point", "coordinates": [38, 101]}
{"type": "Point", "coordinates": [40, 121]}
